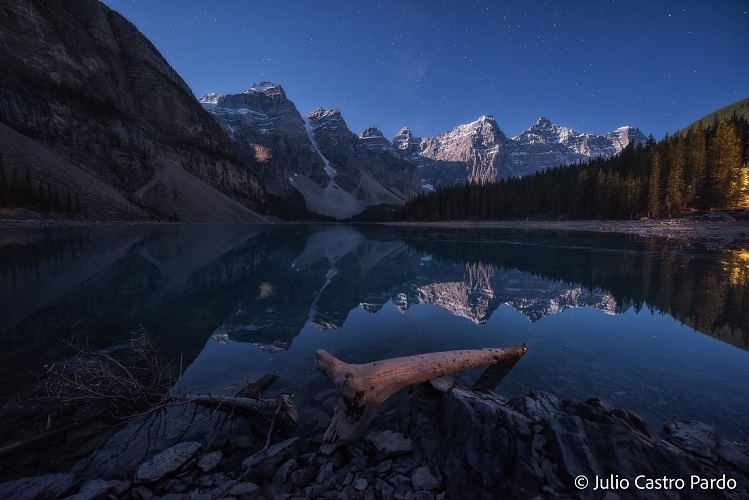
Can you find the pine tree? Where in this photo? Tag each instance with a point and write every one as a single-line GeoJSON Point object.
{"type": "Point", "coordinates": [654, 181]}
{"type": "Point", "coordinates": [724, 155]}
{"type": "Point", "coordinates": [675, 180]}
{"type": "Point", "coordinates": [694, 167]}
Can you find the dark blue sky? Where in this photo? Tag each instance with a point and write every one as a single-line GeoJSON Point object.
{"type": "Point", "coordinates": [589, 65]}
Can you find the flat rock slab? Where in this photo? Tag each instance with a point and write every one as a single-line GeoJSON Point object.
{"type": "Point", "coordinates": [701, 439]}
{"type": "Point", "coordinates": [264, 465]}
{"type": "Point", "coordinates": [46, 486]}
{"type": "Point", "coordinates": [391, 443]}
{"type": "Point", "coordinates": [98, 489]}
{"type": "Point", "coordinates": [166, 462]}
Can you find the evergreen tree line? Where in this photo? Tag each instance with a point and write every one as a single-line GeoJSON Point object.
{"type": "Point", "coordinates": [702, 169]}
{"type": "Point", "coordinates": [19, 191]}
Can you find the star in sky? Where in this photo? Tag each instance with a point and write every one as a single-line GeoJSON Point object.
{"type": "Point", "coordinates": [592, 66]}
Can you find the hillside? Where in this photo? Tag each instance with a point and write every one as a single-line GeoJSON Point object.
{"type": "Point", "coordinates": [84, 84]}
{"type": "Point", "coordinates": [739, 110]}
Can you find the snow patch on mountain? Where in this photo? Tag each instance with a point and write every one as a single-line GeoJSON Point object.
{"type": "Point", "coordinates": [263, 87]}
{"type": "Point", "coordinates": [209, 98]}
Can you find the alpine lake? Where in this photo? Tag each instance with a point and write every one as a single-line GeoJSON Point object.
{"type": "Point", "coordinates": [654, 325]}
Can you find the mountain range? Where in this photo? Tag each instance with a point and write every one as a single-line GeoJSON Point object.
{"type": "Point", "coordinates": [338, 173]}
{"type": "Point", "coordinates": [88, 107]}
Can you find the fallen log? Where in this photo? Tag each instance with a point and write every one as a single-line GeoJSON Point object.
{"type": "Point", "coordinates": [364, 387]}
{"type": "Point", "coordinates": [265, 407]}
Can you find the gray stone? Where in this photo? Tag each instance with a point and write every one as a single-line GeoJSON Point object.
{"type": "Point", "coordinates": [210, 461]}
{"type": "Point", "coordinates": [423, 479]}
{"type": "Point", "coordinates": [391, 443]}
{"type": "Point", "coordinates": [276, 490]}
{"type": "Point", "coordinates": [96, 489]}
{"type": "Point", "coordinates": [732, 454]}
{"type": "Point", "coordinates": [302, 477]}
{"type": "Point", "coordinates": [383, 466]}
{"type": "Point", "coordinates": [166, 462]}
{"type": "Point", "coordinates": [144, 493]}
{"type": "Point", "coordinates": [316, 490]}
{"type": "Point", "coordinates": [263, 465]}
{"type": "Point", "coordinates": [46, 486]}
{"type": "Point", "coordinates": [361, 484]}
{"type": "Point", "coordinates": [386, 491]}
{"type": "Point", "coordinates": [538, 405]}
{"type": "Point", "coordinates": [695, 437]}
{"type": "Point", "coordinates": [282, 474]}
{"type": "Point", "coordinates": [244, 488]}
{"type": "Point", "coordinates": [324, 473]}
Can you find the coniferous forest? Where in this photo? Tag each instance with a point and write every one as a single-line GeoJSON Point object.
{"type": "Point", "coordinates": [19, 191]}
{"type": "Point", "coordinates": [701, 168]}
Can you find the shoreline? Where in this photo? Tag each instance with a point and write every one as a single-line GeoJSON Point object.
{"type": "Point", "coordinates": [714, 233]}
{"type": "Point", "coordinates": [714, 230]}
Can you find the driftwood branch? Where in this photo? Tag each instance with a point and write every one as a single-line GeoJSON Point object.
{"type": "Point", "coordinates": [265, 407]}
{"type": "Point", "coordinates": [363, 387]}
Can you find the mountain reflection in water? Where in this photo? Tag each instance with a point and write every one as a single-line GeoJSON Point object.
{"type": "Point", "coordinates": [245, 300]}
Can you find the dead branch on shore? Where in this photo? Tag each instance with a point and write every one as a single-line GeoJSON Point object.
{"type": "Point", "coordinates": [90, 376]}
{"type": "Point", "coordinates": [265, 407]}
{"type": "Point", "coordinates": [364, 387]}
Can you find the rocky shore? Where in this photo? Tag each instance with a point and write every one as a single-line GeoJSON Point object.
{"type": "Point", "coordinates": [722, 230]}
{"type": "Point", "coordinates": [459, 443]}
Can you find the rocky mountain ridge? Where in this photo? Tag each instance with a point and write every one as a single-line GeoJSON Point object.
{"type": "Point", "coordinates": [313, 161]}
{"type": "Point", "coordinates": [480, 151]}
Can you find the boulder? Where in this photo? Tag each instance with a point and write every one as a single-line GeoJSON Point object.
{"type": "Point", "coordinates": [166, 462]}
{"type": "Point", "coordinates": [391, 444]}
{"type": "Point", "coordinates": [537, 445]}
{"type": "Point", "coordinates": [264, 465]}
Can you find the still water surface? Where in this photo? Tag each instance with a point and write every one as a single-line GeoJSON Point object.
{"type": "Point", "coordinates": [654, 325]}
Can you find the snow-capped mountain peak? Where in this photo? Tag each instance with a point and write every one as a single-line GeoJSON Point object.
{"type": "Point", "coordinates": [544, 131]}
{"type": "Point", "coordinates": [263, 87]}
{"type": "Point", "coordinates": [209, 98]}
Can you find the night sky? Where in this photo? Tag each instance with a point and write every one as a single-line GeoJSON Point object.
{"type": "Point", "coordinates": [589, 65]}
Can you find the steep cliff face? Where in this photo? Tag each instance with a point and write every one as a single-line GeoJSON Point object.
{"type": "Point", "coordinates": [83, 81]}
{"type": "Point", "coordinates": [360, 159]}
{"type": "Point", "coordinates": [271, 136]}
{"type": "Point", "coordinates": [315, 161]}
{"type": "Point", "coordinates": [479, 145]}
